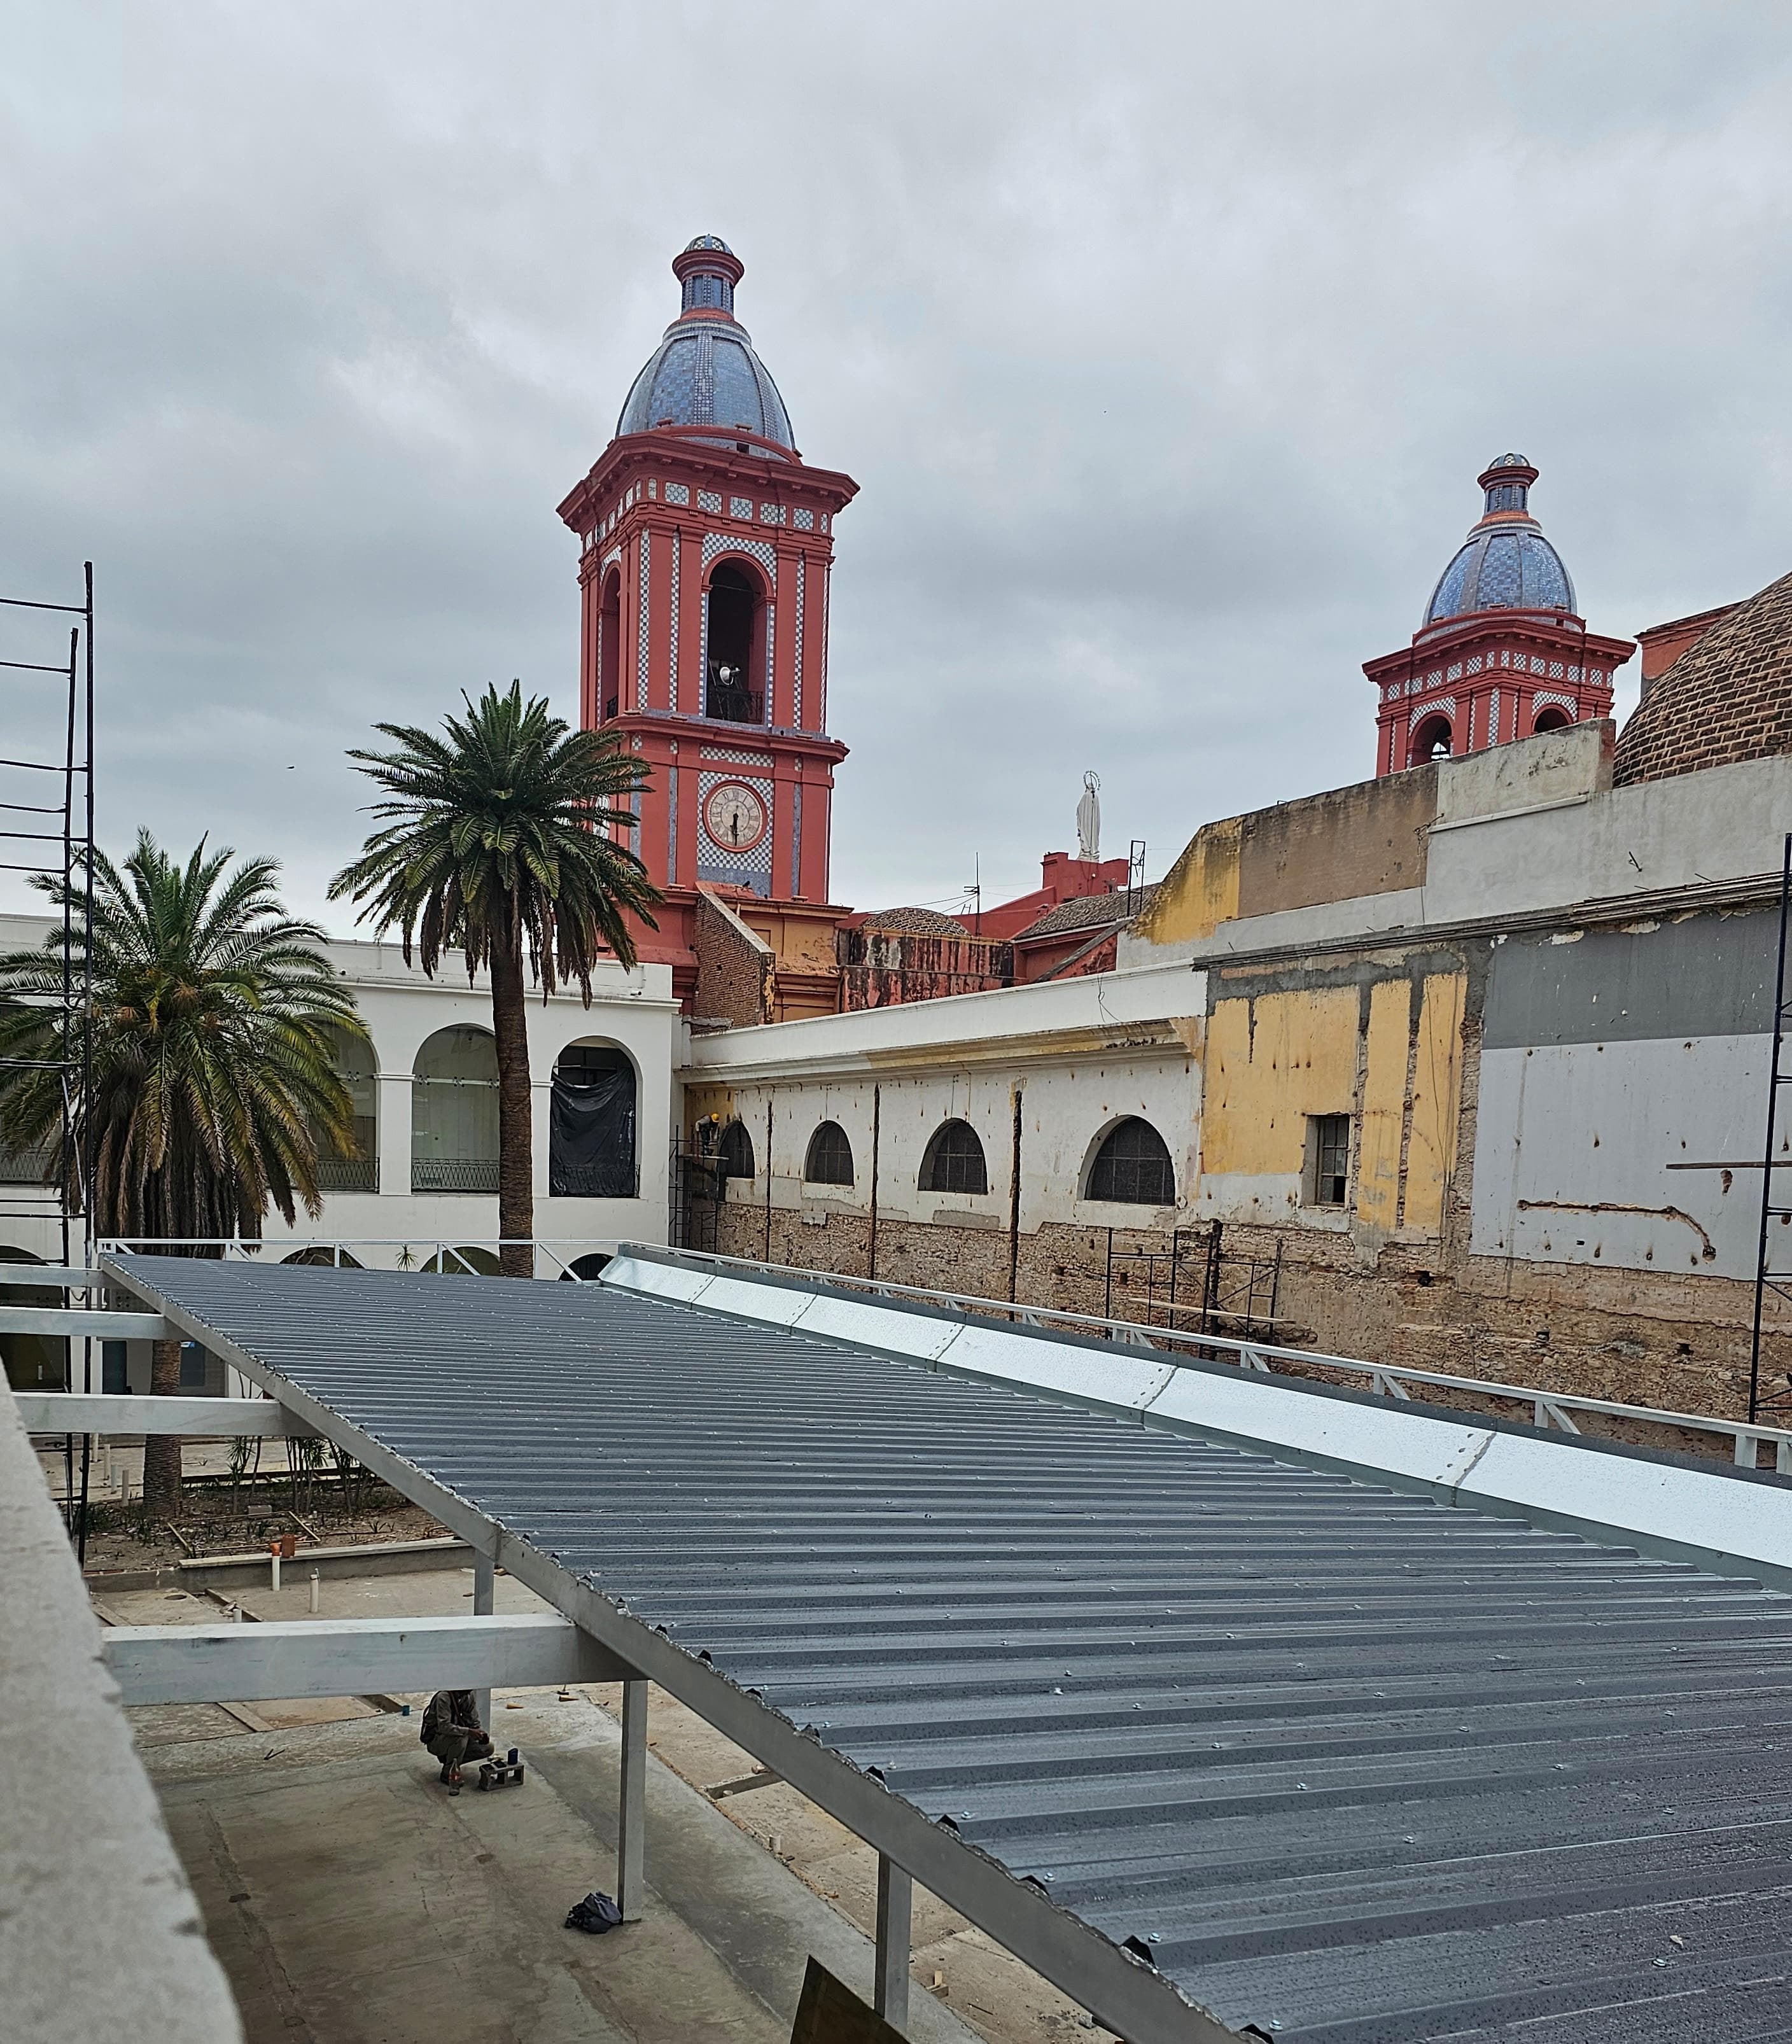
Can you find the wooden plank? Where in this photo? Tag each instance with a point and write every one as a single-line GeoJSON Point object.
{"type": "Point", "coordinates": [109, 1412]}
{"type": "Point", "coordinates": [78, 1320]}
{"type": "Point", "coordinates": [352, 1657]}
{"type": "Point", "coordinates": [831, 2014]}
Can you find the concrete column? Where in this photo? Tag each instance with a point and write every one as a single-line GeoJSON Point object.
{"type": "Point", "coordinates": [394, 1136]}
{"type": "Point", "coordinates": [895, 1896]}
{"type": "Point", "coordinates": [485, 1590]}
{"type": "Point", "coordinates": [631, 1829]}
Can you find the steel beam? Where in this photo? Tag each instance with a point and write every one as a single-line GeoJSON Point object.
{"type": "Point", "coordinates": [895, 1906]}
{"type": "Point", "coordinates": [351, 1657]}
{"type": "Point", "coordinates": [104, 1412]}
{"type": "Point", "coordinates": [85, 1320]}
{"type": "Point", "coordinates": [631, 1824]}
{"type": "Point", "coordinates": [53, 1277]}
{"type": "Point", "coordinates": [484, 1588]}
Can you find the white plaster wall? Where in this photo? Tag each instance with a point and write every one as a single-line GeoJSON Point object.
{"type": "Point", "coordinates": [1573, 1128]}
{"type": "Point", "coordinates": [1066, 1108]}
{"type": "Point", "coordinates": [632, 1010]}
{"type": "Point", "coordinates": [1550, 847]}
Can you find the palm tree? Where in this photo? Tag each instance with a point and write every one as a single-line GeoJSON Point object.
{"type": "Point", "coordinates": [215, 1077]}
{"type": "Point", "coordinates": [498, 844]}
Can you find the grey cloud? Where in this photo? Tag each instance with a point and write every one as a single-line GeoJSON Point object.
{"type": "Point", "coordinates": [1165, 343]}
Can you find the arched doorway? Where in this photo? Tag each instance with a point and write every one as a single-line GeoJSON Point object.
{"type": "Point", "coordinates": [591, 1124]}
{"type": "Point", "coordinates": [360, 1173]}
{"type": "Point", "coordinates": [1551, 717]}
{"type": "Point", "coordinates": [454, 1113]}
{"type": "Point", "coordinates": [733, 685]}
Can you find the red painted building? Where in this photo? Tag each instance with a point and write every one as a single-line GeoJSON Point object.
{"type": "Point", "coordinates": [1501, 653]}
{"type": "Point", "coordinates": [706, 545]}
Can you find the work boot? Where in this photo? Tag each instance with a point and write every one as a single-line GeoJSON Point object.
{"type": "Point", "coordinates": [447, 1773]}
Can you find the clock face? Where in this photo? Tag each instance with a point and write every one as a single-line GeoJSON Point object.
{"type": "Point", "coordinates": [734, 817]}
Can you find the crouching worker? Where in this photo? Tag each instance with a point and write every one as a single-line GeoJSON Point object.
{"type": "Point", "coordinates": [453, 1732]}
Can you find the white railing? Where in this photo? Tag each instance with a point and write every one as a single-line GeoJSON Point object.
{"type": "Point", "coordinates": [1548, 1408]}
{"type": "Point", "coordinates": [412, 1252]}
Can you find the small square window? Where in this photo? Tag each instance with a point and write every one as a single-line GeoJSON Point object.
{"type": "Point", "coordinates": [1327, 1138]}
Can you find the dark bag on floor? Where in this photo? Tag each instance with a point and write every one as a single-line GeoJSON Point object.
{"type": "Point", "coordinates": [597, 1914]}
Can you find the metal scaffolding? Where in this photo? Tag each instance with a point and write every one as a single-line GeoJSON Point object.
{"type": "Point", "coordinates": [46, 820]}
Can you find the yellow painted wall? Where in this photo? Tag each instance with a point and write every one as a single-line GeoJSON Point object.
{"type": "Point", "coordinates": [1261, 1084]}
{"type": "Point", "coordinates": [1431, 1155]}
{"type": "Point", "coordinates": [1199, 891]}
{"type": "Point", "coordinates": [1384, 1104]}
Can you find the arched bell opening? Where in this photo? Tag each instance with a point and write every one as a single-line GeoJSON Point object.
{"type": "Point", "coordinates": [734, 685]}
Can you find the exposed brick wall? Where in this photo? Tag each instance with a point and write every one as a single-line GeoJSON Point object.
{"type": "Point", "coordinates": [1680, 1343]}
{"type": "Point", "coordinates": [735, 969]}
{"type": "Point", "coordinates": [1728, 699]}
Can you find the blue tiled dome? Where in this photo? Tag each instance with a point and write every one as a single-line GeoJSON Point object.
{"type": "Point", "coordinates": [704, 372]}
{"type": "Point", "coordinates": [1505, 563]}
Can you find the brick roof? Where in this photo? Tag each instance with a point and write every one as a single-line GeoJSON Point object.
{"type": "Point", "coordinates": [1089, 912]}
{"type": "Point", "coordinates": [1728, 697]}
{"type": "Point", "coordinates": [914, 922]}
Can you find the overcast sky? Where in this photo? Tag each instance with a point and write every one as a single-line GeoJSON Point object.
{"type": "Point", "coordinates": [1164, 342]}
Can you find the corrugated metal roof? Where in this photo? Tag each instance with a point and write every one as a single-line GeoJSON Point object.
{"type": "Point", "coordinates": [1345, 1765]}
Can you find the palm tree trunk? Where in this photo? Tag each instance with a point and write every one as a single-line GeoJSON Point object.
{"type": "Point", "coordinates": [516, 1135]}
{"type": "Point", "coordinates": [161, 1452]}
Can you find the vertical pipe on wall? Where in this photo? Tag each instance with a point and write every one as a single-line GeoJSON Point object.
{"type": "Point", "coordinates": [1014, 1202]}
{"type": "Point", "coordinates": [767, 1257]}
{"type": "Point", "coordinates": [1763, 1253]}
{"type": "Point", "coordinates": [877, 1120]}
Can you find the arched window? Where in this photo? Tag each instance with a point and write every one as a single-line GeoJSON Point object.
{"type": "Point", "coordinates": [1553, 717]}
{"type": "Point", "coordinates": [1133, 1167]}
{"type": "Point", "coordinates": [586, 1270]}
{"type": "Point", "coordinates": [735, 1152]}
{"type": "Point", "coordinates": [591, 1124]}
{"type": "Point", "coordinates": [1432, 740]}
{"type": "Point", "coordinates": [468, 1261]}
{"type": "Point", "coordinates": [954, 1161]}
{"type": "Point", "coordinates": [323, 1256]}
{"type": "Point", "coordinates": [733, 690]}
{"type": "Point", "coordinates": [610, 646]}
{"type": "Point", "coordinates": [360, 1173]}
{"type": "Point", "coordinates": [454, 1113]}
{"type": "Point", "coordinates": [829, 1161]}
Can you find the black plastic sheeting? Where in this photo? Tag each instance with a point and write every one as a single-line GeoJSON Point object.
{"type": "Point", "coordinates": [1348, 1765]}
{"type": "Point", "coordinates": [591, 1139]}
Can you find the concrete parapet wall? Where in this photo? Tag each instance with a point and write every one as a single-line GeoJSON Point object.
{"type": "Point", "coordinates": [100, 1936]}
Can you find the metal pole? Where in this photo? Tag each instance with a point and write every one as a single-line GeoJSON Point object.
{"type": "Point", "coordinates": [877, 1118]}
{"type": "Point", "coordinates": [1014, 1204]}
{"type": "Point", "coordinates": [485, 1590]}
{"type": "Point", "coordinates": [768, 1181]}
{"type": "Point", "coordinates": [895, 1897]}
{"type": "Point", "coordinates": [630, 1826]}
{"type": "Point", "coordinates": [1762, 1255]}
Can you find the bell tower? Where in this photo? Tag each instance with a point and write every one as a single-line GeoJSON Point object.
{"type": "Point", "coordinates": [1502, 652]}
{"type": "Point", "coordinates": [706, 545]}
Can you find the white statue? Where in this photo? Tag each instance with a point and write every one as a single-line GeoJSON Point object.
{"type": "Point", "coordinates": [1089, 819]}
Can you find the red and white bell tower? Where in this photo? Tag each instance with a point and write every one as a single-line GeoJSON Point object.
{"type": "Point", "coordinates": [1501, 653]}
{"type": "Point", "coordinates": [707, 545]}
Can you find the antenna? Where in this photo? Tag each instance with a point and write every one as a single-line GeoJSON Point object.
{"type": "Point", "coordinates": [1135, 873]}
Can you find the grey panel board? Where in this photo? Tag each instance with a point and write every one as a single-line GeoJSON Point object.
{"type": "Point", "coordinates": [1711, 975]}
{"type": "Point", "coordinates": [1347, 1764]}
